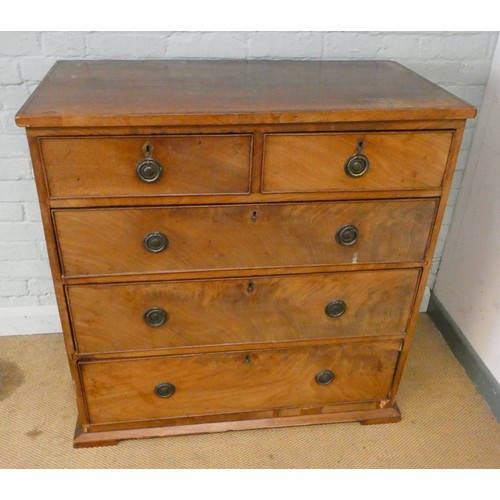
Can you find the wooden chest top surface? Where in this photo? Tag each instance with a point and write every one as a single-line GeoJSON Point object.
{"type": "Point", "coordinates": [148, 93]}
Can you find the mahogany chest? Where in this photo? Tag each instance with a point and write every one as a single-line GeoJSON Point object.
{"type": "Point", "coordinates": [238, 244]}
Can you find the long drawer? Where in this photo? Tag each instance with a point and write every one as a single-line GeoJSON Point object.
{"type": "Point", "coordinates": [359, 161]}
{"type": "Point", "coordinates": [163, 240]}
{"type": "Point", "coordinates": [126, 317]}
{"type": "Point", "coordinates": [174, 386]}
{"type": "Point", "coordinates": [147, 165]}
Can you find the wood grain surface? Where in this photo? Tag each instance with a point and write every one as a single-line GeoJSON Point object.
{"type": "Point", "coordinates": [106, 166]}
{"type": "Point", "coordinates": [118, 391]}
{"type": "Point", "coordinates": [111, 434]}
{"type": "Point", "coordinates": [110, 241]}
{"type": "Point", "coordinates": [315, 162]}
{"type": "Point", "coordinates": [113, 93]}
{"type": "Point", "coordinates": [254, 192]}
{"type": "Point", "coordinates": [109, 318]}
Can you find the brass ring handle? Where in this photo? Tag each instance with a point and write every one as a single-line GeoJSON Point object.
{"type": "Point", "coordinates": [148, 170]}
{"type": "Point", "coordinates": [324, 377]}
{"type": "Point", "coordinates": [347, 235]}
{"type": "Point", "coordinates": [155, 317]}
{"type": "Point", "coordinates": [335, 308]}
{"type": "Point", "coordinates": [357, 165]}
{"type": "Point", "coordinates": [155, 242]}
{"type": "Point", "coordinates": [165, 390]}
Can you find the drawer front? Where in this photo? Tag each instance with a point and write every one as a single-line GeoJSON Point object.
{"type": "Point", "coordinates": [211, 312]}
{"type": "Point", "coordinates": [318, 162]}
{"type": "Point", "coordinates": [119, 391]}
{"type": "Point", "coordinates": [114, 241]}
{"type": "Point", "coordinates": [111, 166]}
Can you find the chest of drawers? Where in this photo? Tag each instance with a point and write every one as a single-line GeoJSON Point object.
{"type": "Point", "coordinates": [237, 244]}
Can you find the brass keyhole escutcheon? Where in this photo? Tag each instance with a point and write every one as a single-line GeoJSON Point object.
{"type": "Point", "coordinates": [250, 287]}
{"type": "Point", "coordinates": [147, 149]}
{"type": "Point", "coordinates": [247, 359]}
{"type": "Point", "coordinates": [254, 216]}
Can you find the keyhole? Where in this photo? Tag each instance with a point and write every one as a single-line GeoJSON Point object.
{"type": "Point", "coordinates": [361, 145]}
{"type": "Point", "coordinates": [247, 359]}
{"type": "Point", "coordinates": [254, 216]}
{"type": "Point", "coordinates": [147, 149]}
{"type": "Point", "coordinates": [250, 287]}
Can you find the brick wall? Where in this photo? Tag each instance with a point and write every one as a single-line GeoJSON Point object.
{"type": "Point", "coordinates": [458, 61]}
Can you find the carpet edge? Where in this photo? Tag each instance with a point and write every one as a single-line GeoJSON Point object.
{"type": "Point", "coordinates": [477, 371]}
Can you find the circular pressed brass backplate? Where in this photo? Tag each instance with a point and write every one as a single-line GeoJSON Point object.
{"type": "Point", "coordinates": [357, 165]}
{"type": "Point", "coordinates": [155, 242]}
{"type": "Point", "coordinates": [335, 308]}
{"type": "Point", "coordinates": [165, 390]}
{"type": "Point", "coordinates": [149, 170]}
{"type": "Point", "coordinates": [156, 316]}
{"type": "Point", "coordinates": [347, 235]}
{"type": "Point", "coordinates": [324, 377]}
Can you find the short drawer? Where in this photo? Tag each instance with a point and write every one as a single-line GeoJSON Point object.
{"type": "Point", "coordinates": [355, 161]}
{"type": "Point", "coordinates": [205, 384]}
{"type": "Point", "coordinates": [178, 239]}
{"type": "Point", "coordinates": [123, 317]}
{"type": "Point", "coordinates": [147, 165]}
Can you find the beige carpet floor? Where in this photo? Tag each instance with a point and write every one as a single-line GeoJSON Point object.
{"type": "Point", "coordinates": [446, 423]}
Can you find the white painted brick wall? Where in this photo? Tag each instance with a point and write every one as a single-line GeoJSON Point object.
{"type": "Point", "coordinates": [15, 168]}
{"type": "Point", "coordinates": [300, 45]}
{"type": "Point", "coordinates": [19, 43]}
{"type": "Point", "coordinates": [9, 70]}
{"type": "Point", "coordinates": [63, 44]}
{"type": "Point", "coordinates": [125, 45]}
{"type": "Point", "coordinates": [458, 61]}
{"type": "Point", "coordinates": [210, 45]}
{"type": "Point", "coordinates": [10, 212]}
